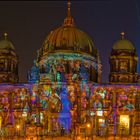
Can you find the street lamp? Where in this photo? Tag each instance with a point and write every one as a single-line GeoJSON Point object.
{"type": "Point", "coordinates": [18, 127]}
{"type": "Point", "coordinates": [88, 126]}
{"type": "Point", "coordinates": [78, 138]}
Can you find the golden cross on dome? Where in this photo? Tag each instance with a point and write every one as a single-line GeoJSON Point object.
{"type": "Point", "coordinates": [122, 35]}
{"type": "Point", "coordinates": [68, 21]}
{"type": "Point", "coordinates": [69, 6]}
{"type": "Point", "coordinates": [5, 36]}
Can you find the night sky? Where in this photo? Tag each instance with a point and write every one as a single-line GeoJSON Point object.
{"type": "Point", "coordinates": [29, 22]}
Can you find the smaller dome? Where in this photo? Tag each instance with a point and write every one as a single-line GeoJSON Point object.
{"type": "Point", "coordinates": [6, 44]}
{"type": "Point", "coordinates": [123, 44]}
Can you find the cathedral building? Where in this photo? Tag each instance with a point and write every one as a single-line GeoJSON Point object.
{"type": "Point", "coordinates": [64, 95]}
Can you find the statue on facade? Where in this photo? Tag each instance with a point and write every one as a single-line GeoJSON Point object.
{"type": "Point", "coordinates": [84, 72]}
{"type": "Point", "coordinates": [33, 74]}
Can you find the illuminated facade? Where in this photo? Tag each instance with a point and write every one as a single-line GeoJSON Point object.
{"type": "Point", "coordinates": [64, 94]}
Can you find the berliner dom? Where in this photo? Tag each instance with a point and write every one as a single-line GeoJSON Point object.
{"type": "Point", "coordinates": [64, 96]}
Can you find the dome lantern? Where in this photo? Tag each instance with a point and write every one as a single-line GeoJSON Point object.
{"type": "Point", "coordinates": [5, 36]}
{"type": "Point", "coordinates": [68, 21]}
{"type": "Point", "coordinates": [122, 35]}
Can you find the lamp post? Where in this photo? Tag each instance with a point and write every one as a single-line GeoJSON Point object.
{"type": "Point", "coordinates": [18, 127]}
{"type": "Point", "coordinates": [78, 109]}
{"type": "Point", "coordinates": [88, 126]}
{"type": "Point", "coordinates": [39, 109]}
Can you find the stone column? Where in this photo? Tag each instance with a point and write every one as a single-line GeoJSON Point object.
{"type": "Point", "coordinates": [117, 65]}
{"type": "Point", "coordinates": [130, 66]}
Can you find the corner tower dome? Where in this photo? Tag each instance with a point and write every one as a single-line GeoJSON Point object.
{"type": "Point", "coordinates": [8, 61]}
{"type": "Point", "coordinates": [123, 62]}
{"type": "Point", "coordinates": [6, 44]}
{"type": "Point", "coordinates": [123, 44]}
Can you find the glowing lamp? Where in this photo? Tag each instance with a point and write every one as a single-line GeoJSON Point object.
{"type": "Point", "coordinates": [18, 126]}
{"type": "Point", "coordinates": [78, 138]}
{"type": "Point", "coordinates": [88, 125]}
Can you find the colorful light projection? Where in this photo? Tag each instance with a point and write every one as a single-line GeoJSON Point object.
{"type": "Point", "coordinates": [71, 102]}
{"type": "Point", "coordinates": [124, 121]}
{"type": "Point", "coordinates": [33, 74]}
{"type": "Point", "coordinates": [102, 101]}
{"type": "Point", "coordinates": [64, 115]}
{"type": "Point", "coordinates": [60, 67]}
{"type": "Point", "coordinates": [125, 100]}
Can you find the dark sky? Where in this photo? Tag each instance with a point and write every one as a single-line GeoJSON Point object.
{"type": "Point", "coordinates": [29, 22]}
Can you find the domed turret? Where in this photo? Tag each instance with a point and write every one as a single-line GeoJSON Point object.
{"type": "Point", "coordinates": [8, 61]}
{"type": "Point", "coordinates": [123, 44]}
{"type": "Point", "coordinates": [68, 53]}
{"type": "Point", "coordinates": [123, 62]}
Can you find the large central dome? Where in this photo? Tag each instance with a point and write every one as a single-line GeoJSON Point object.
{"type": "Point", "coordinates": [67, 54]}
{"type": "Point", "coordinates": [69, 38]}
